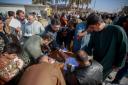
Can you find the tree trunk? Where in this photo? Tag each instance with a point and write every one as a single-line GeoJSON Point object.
{"type": "Point", "coordinates": [83, 6]}
{"type": "Point", "coordinates": [87, 6]}
{"type": "Point", "coordinates": [56, 8]}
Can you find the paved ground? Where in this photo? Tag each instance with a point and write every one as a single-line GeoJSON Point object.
{"type": "Point", "coordinates": [124, 80]}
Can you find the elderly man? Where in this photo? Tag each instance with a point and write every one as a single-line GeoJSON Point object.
{"type": "Point", "coordinates": [33, 27]}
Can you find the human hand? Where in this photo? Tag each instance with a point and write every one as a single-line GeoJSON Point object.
{"type": "Point", "coordinates": [17, 29]}
{"type": "Point", "coordinates": [116, 68]}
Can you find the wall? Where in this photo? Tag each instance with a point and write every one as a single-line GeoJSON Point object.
{"type": "Point", "coordinates": [5, 8]}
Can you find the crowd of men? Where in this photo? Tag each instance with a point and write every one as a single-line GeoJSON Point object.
{"type": "Point", "coordinates": [65, 49]}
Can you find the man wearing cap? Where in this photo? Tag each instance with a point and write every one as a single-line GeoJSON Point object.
{"type": "Point", "coordinates": [108, 44]}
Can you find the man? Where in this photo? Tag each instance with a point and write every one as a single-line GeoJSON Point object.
{"type": "Point", "coordinates": [63, 20]}
{"type": "Point", "coordinates": [123, 21]}
{"type": "Point", "coordinates": [89, 72]}
{"type": "Point", "coordinates": [53, 29]}
{"type": "Point", "coordinates": [42, 20]}
{"type": "Point", "coordinates": [64, 38]}
{"type": "Point", "coordinates": [21, 18]}
{"type": "Point", "coordinates": [81, 37]}
{"type": "Point", "coordinates": [8, 29]}
{"type": "Point", "coordinates": [32, 47]}
{"type": "Point", "coordinates": [1, 25]}
{"type": "Point", "coordinates": [44, 73]}
{"type": "Point", "coordinates": [13, 25]}
{"type": "Point", "coordinates": [108, 43]}
{"type": "Point", "coordinates": [3, 38]}
{"type": "Point", "coordinates": [33, 27]}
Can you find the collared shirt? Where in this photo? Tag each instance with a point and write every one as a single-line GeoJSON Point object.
{"type": "Point", "coordinates": [33, 29]}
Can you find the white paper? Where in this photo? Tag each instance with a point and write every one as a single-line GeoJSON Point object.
{"type": "Point", "coordinates": [14, 23]}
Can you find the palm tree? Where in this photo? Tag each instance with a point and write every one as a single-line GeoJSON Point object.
{"type": "Point", "coordinates": [80, 2]}
{"type": "Point", "coordinates": [87, 3]}
{"type": "Point", "coordinates": [41, 1]}
{"type": "Point", "coordinates": [70, 2]}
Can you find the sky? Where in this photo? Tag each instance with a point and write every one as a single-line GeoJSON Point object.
{"type": "Point", "coordinates": [100, 5]}
{"type": "Point", "coordinates": [17, 1]}
{"type": "Point", "coordinates": [108, 5]}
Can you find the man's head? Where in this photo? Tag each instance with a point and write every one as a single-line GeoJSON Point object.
{"type": "Point", "coordinates": [123, 21]}
{"type": "Point", "coordinates": [82, 56]}
{"type": "Point", "coordinates": [20, 14]}
{"type": "Point", "coordinates": [47, 39]}
{"type": "Point", "coordinates": [45, 58]}
{"type": "Point", "coordinates": [11, 13]}
{"type": "Point", "coordinates": [31, 17]}
{"type": "Point", "coordinates": [72, 24]}
{"type": "Point", "coordinates": [94, 22]}
{"type": "Point", "coordinates": [55, 24]}
{"type": "Point", "coordinates": [63, 14]}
